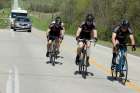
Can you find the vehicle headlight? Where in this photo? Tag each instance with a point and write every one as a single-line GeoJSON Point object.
{"type": "Point", "coordinates": [30, 25]}
{"type": "Point", "coordinates": [17, 24]}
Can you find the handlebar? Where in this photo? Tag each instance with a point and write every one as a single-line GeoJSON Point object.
{"type": "Point", "coordinates": [125, 45]}
{"type": "Point", "coordinates": [85, 40]}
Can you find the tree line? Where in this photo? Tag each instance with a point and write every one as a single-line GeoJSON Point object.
{"type": "Point", "coordinates": [108, 13]}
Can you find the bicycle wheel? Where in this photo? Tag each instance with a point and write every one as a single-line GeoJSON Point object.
{"type": "Point", "coordinates": [114, 72]}
{"type": "Point", "coordinates": [52, 56]}
{"type": "Point", "coordinates": [124, 69]}
{"type": "Point", "coordinates": [115, 68]}
{"type": "Point", "coordinates": [81, 63]}
{"type": "Point", "coordinates": [84, 66]}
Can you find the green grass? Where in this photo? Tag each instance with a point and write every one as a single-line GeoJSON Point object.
{"type": "Point", "coordinates": [4, 15]}
{"type": "Point", "coordinates": [70, 30]}
{"type": "Point", "coordinates": [40, 21]}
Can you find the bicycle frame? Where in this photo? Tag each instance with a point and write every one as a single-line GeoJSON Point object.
{"type": "Point", "coordinates": [121, 65]}
{"type": "Point", "coordinates": [83, 58]}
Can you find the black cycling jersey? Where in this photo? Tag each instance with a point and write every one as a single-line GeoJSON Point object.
{"type": "Point", "coordinates": [55, 29]}
{"type": "Point", "coordinates": [86, 30]}
{"type": "Point", "coordinates": [122, 37]}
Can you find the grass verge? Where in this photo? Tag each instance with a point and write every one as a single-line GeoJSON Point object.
{"type": "Point", "coordinates": [4, 15]}
{"type": "Point", "coordinates": [41, 21]}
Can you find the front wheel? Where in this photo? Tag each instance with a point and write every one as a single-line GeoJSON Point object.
{"type": "Point", "coordinates": [14, 29]}
{"type": "Point", "coordinates": [114, 72]}
{"type": "Point", "coordinates": [124, 69]}
{"type": "Point", "coordinates": [84, 66]}
{"type": "Point", "coordinates": [114, 67]}
{"type": "Point", "coordinates": [52, 60]}
{"type": "Point", "coordinates": [29, 30]}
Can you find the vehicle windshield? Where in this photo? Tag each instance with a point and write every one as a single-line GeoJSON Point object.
{"type": "Point", "coordinates": [22, 19]}
{"type": "Point", "coordinates": [14, 15]}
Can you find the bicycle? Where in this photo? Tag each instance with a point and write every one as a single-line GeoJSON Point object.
{"type": "Point", "coordinates": [121, 65]}
{"type": "Point", "coordinates": [83, 59]}
{"type": "Point", "coordinates": [53, 51]}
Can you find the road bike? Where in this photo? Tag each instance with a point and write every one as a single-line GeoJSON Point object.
{"type": "Point", "coordinates": [83, 59]}
{"type": "Point", "coordinates": [121, 65]}
{"type": "Point", "coordinates": [53, 51]}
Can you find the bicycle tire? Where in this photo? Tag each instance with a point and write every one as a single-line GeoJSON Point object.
{"type": "Point", "coordinates": [84, 66]}
{"type": "Point", "coordinates": [52, 54]}
{"type": "Point", "coordinates": [80, 63]}
{"type": "Point", "coordinates": [114, 69]}
{"type": "Point", "coordinates": [125, 71]}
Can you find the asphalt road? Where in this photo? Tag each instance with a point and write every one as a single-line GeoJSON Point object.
{"type": "Point", "coordinates": [25, 69]}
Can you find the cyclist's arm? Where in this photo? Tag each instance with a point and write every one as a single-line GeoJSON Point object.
{"type": "Point", "coordinates": [114, 39]}
{"type": "Point", "coordinates": [63, 30]}
{"type": "Point", "coordinates": [78, 32]}
{"type": "Point", "coordinates": [94, 34]}
{"type": "Point", "coordinates": [47, 33]}
{"type": "Point", "coordinates": [132, 39]}
{"type": "Point", "coordinates": [131, 36]}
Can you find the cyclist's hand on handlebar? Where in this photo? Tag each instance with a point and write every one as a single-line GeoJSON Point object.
{"type": "Point", "coordinates": [62, 37]}
{"type": "Point", "coordinates": [96, 39]}
{"type": "Point", "coordinates": [116, 46]}
{"type": "Point", "coordinates": [133, 47]}
{"type": "Point", "coordinates": [46, 36]}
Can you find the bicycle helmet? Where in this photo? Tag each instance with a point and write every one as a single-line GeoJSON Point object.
{"type": "Point", "coordinates": [125, 23]}
{"type": "Point", "coordinates": [58, 20]}
{"type": "Point", "coordinates": [89, 19]}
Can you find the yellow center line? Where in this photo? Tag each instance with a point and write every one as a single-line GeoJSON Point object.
{"type": "Point", "coordinates": [131, 85]}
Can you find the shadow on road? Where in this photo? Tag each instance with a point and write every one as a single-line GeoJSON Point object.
{"type": "Point", "coordinates": [21, 31]}
{"type": "Point", "coordinates": [56, 62]}
{"type": "Point", "coordinates": [60, 57]}
{"type": "Point", "coordinates": [80, 73]}
{"type": "Point", "coordinates": [110, 78]}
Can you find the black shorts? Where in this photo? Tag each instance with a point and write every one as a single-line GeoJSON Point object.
{"type": "Point", "coordinates": [53, 37]}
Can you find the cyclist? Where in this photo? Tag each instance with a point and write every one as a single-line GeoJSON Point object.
{"type": "Point", "coordinates": [86, 30]}
{"type": "Point", "coordinates": [120, 35]}
{"type": "Point", "coordinates": [55, 32]}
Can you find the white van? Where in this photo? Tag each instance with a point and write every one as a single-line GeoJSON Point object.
{"type": "Point", "coordinates": [15, 13]}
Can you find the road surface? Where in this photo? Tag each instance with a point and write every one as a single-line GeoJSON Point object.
{"type": "Point", "coordinates": [25, 69]}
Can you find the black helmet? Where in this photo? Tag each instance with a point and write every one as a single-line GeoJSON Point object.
{"type": "Point", "coordinates": [89, 19]}
{"type": "Point", "coordinates": [125, 23]}
{"type": "Point", "coordinates": [58, 20]}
